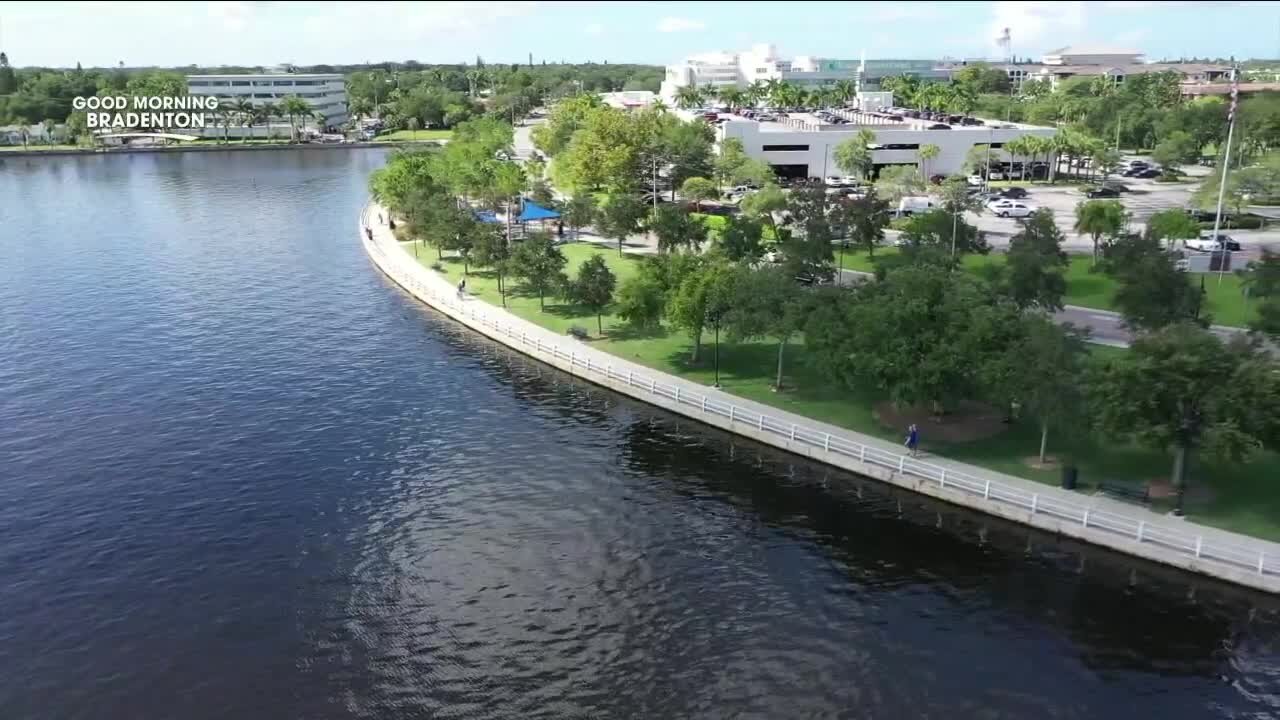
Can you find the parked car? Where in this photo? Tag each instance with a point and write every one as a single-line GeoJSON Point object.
{"type": "Point", "coordinates": [974, 180]}
{"type": "Point", "coordinates": [1010, 208]}
{"type": "Point", "coordinates": [939, 126]}
{"type": "Point", "coordinates": [1208, 243]}
{"type": "Point", "coordinates": [1013, 193]}
{"type": "Point", "coordinates": [993, 174]}
{"type": "Point", "coordinates": [1101, 192]}
{"type": "Point", "coordinates": [1117, 186]}
{"type": "Point", "coordinates": [1146, 173]}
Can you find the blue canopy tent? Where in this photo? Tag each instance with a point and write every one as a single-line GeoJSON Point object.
{"type": "Point", "coordinates": [534, 211]}
{"type": "Point", "coordinates": [487, 216]}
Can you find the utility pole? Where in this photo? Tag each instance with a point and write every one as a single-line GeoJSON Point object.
{"type": "Point", "coordinates": [1226, 162]}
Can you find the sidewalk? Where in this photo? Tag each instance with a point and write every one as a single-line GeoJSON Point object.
{"type": "Point", "coordinates": [1121, 526]}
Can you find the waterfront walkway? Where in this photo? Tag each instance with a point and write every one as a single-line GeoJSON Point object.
{"type": "Point", "coordinates": [1097, 519]}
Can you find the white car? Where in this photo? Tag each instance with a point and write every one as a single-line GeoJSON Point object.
{"type": "Point", "coordinates": [1208, 243]}
{"type": "Point", "coordinates": [974, 180]}
{"type": "Point", "coordinates": [1010, 208]}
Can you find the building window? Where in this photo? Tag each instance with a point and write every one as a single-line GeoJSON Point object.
{"type": "Point", "coordinates": [240, 83]}
{"type": "Point", "coordinates": [785, 148]}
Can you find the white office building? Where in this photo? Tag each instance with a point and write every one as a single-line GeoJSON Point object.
{"type": "Point", "coordinates": [804, 146]}
{"type": "Point", "coordinates": [325, 93]}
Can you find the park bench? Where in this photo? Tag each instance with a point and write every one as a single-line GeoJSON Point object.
{"type": "Point", "coordinates": [578, 332]}
{"type": "Point", "coordinates": [1125, 492]}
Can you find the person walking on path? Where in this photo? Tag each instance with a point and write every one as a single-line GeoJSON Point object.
{"type": "Point", "coordinates": [380, 222]}
{"type": "Point", "coordinates": [913, 439]}
{"type": "Point", "coordinates": [462, 288]}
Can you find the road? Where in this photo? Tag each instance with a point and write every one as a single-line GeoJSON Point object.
{"type": "Point", "coordinates": [1105, 327]}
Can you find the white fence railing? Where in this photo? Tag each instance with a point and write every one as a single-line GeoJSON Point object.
{"type": "Point", "coordinates": [408, 273]}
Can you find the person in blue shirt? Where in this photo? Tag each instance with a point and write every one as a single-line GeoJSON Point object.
{"type": "Point", "coordinates": [913, 439]}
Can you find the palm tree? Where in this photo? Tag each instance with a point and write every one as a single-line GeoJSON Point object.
{"type": "Point", "coordinates": [757, 91]}
{"type": "Point", "coordinates": [927, 153]}
{"type": "Point", "coordinates": [244, 109]}
{"type": "Point", "coordinates": [689, 96]}
{"type": "Point", "coordinates": [1018, 147]}
{"type": "Point", "coordinates": [1096, 218]}
{"type": "Point", "coordinates": [846, 90]}
{"type": "Point", "coordinates": [294, 107]}
{"type": "Point", "coordinates": [267, 112]}
{"type": "Point", "coordinates": [961, 98]}
{"type": "Point", "coordinates": [1058, 146]}
{"type": "Point", "coordinates": [772, 88]}
{"type": "Point", "coordinates": [732, 97]}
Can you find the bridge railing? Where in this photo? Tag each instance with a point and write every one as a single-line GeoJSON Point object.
{"type": "Point", "coordinates": [407, 272]}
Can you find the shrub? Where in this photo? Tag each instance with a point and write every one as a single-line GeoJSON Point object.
{"type": "Point", "coordinates": [1235, 222]}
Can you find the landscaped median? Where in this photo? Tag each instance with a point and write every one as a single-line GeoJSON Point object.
{"type": "Point", "coordinates": [628, 364]}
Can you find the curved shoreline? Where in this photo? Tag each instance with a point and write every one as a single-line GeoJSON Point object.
{"type": "Point", "coordinates": [1137, 532]}
{"type": "Point", "coordinates": [232, 146]}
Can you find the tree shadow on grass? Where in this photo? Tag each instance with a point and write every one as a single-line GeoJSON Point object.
{"type": "Point", "coordinates": [622, 331]}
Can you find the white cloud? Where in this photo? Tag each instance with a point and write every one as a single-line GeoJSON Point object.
{"type": "Point", "coordinates": [678, 24]}
{"type": "Point", "coordinates": [594, 29]}
{"type": "Point", "coordinates": [1035, 24]}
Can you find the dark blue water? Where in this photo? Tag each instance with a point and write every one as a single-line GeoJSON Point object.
{"type": "Point", "coordinates": [243, 476]}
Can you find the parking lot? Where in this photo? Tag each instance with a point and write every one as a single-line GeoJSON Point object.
{"type": "Point", "coordinates": [1145, 198]}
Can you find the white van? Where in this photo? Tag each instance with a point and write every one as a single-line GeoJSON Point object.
{"type": "Point", "coordinates": [915, 204]}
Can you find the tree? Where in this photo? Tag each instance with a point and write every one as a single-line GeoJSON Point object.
{"type": "Point", "coordinates": [1180, 388]}
{"type": "Point", "coordinates": [956, 201]}
{"type": "Point", "coordinates": [1176, 148]}
{"type": "Point", "coordinates": [1098, 218]}
{"type": "Point", "coordinates": [413, 124]}
{"type": "Point", "coordinates": [730, 160]}
{"type": "Point", "coordinates": [938, 230]}
{"type": "Point", "coordinates": [8, 80]}
{"type": "Point", "coordinates": [677, 230]}
{"type": "Point", "coordinates": [539, 263]}
{"type": "Point", "coordinates": [703, 298]}
{"type": "Point", "coordinates": [740, 239]}
{"type": "Point", "coordinates": [975, 161]}
{"type": "Point", "coordinates": [489, 248]}
{"type": "Point", "coordinates": [594, 287]}
{"type": "Point", "coordinates": [864, 219]}
{"type": "Point", "coordinates": [620, 217]}
{"type": "Point", "coordinates": [807, 250]}
{"type": "Point", "coordinates": [767, 303]}
{"type": "Point", "coordinates": [641, 301]}
{"type": "Point", "coordinates": [699, 189]}
{"type": "Point", "coordinates": [899, 181]}
{"type": "Point", "coordinates": [1106, 160]}
{"type": "Point", "coordinates": [923, 334]}
{"type": "Point", "coordinates": [294, 107]}
{"type": "Point", "coordinates": [1154, 293]}
{"type": "Point", "coordinates": [1261, 278]}
{"type": "Point", "coordinates": [578, 212]}
{"type": "Point", "coordinates": [763, 203]}
{"type": "Point", "coordinates": [927, 153]}
{"type": "Point", "coordinates": [1172, 225]}
{"type": "Point", "coordinates": [687, 148]}
{"type": "Point", "coordinates": [732, 97]}
{"type": "Point", "coordinates": [1048, 372]}
{"type": "Point", "coordinates": [1036, 263]}
{"type": "Point", "coordinates": [690, 96]}
{"type": "Point", "coordinates": [853, 156]}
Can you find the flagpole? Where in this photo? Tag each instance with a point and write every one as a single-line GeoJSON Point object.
{"type": "Point", "coordinates": [1222, 184]}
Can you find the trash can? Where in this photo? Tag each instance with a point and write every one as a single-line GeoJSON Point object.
{"type": "Point", "coordinates": [1069, 473]}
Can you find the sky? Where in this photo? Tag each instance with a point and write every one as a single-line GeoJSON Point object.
{"type": "Point", "coordinates": [61, 34]}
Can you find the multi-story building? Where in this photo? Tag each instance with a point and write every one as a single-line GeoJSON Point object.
{"type": "Point", "coordinates": [762, 63]}
{"type": "Point", "coordinates": [1114, 64]}
{"type": "Point", "coordinates": [804, 146]}
{"type": "Point", "coordinates": [325, 93]}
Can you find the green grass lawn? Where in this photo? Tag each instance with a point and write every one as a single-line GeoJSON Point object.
{"type": "Point", "coordinates": [1242, 498]}
{"type": "Point", "coordinates": [1089, 289]}
{"type": "Point", "coordinates": [403, 135]}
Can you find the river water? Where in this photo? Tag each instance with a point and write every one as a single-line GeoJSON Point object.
{"type": "Point", "coordinates": [244, 476]}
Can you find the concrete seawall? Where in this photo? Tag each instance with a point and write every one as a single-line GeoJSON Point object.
{"type": "Point", "coordinates": [1103, 522]}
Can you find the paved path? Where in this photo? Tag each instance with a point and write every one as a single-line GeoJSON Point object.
{"type": "Point", "coordinates": [444, 291]}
